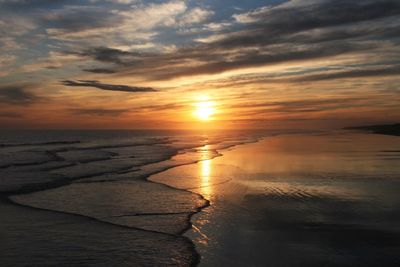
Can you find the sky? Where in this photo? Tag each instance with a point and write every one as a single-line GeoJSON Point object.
{"type": "Point", "coordinates": [229, 64]}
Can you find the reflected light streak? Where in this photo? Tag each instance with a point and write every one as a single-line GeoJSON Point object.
{"type": "Point", "coordinates": [205, 173]}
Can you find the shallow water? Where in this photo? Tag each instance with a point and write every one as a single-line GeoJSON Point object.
{"type": "Point", "coordinates": [125, 198]}
{"type": "Point", "coordinates": [74, 198]}
{"type": "Point", "coordinates": [298, 200]}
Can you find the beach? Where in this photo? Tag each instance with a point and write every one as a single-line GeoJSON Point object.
{"type": "Point", "coordinates": [73, 198]}
{"type": "Point", "coordinates": [298, 200]}
{"type": "Point", "coordinates": [168, 199]}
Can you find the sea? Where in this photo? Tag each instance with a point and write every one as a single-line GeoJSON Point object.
{"type": "Point", "coordinates": [185, 198]}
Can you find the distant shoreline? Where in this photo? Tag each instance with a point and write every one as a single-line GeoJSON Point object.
{"type": "Point", "coordinates": [387, 129]}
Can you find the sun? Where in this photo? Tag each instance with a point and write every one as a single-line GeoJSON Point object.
{"type": "Point", "coordinates": [204, 109]}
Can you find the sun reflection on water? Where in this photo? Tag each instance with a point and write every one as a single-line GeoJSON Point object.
{"type": "Point", "coordinates": [205, 170]}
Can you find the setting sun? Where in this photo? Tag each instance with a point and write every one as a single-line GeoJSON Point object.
{"type": "Point", "coordinates": [204, 109]}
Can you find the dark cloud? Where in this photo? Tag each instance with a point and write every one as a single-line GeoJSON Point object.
{"type": "Point", "coordinates": [256, 35]}
{"type": "Point", "coordinates": [301, 103]}
{"type": "Point", "coordinates": [212, 61]}
{"type": "Point", "coordinates": [110, 87]}
{"type": "Point", "coordinates": [17, 95]}
{"type": "Point", "coordinates": [272, 35]}
{"type": "Point", "coordinates": [70, 18]}
{"type": "Point", "coordinates": [171, 106]}
{"type": "Point", "coordinates": [100, 70]}
{"type": "Point", "coordinates": [116, 112]}
{"type": "Point", "coordinates": [302, 106]}
{"type": "Point", "coordinates": [99, 112]}
{"type": "Point", "coordinates": [302, 32]}
{"type": "Point", "coordinates": [357, 73]}
{"type": "Point", "coordinates": [283, 19]}
{"type": "Point", "coordinates": [110, 55]}
{"type": "Point", "coordinates": [275, 56]}
{"type": "Point", "coordinates": [308, 76]}
{"type": "Point", "coordinates": [292, 31]}
{"type": "Point", "coordinates": [17, 5]}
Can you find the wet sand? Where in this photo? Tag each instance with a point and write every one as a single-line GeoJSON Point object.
{"type": "Point", "coordinates": [89, 203]}
{"type": "Point", "coordinates": [289, 200]}
{"type": "Point", "coordinates": [298, 200]}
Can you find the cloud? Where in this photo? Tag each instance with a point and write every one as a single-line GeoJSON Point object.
{"type": "Point", "coordinates": [293, 30]}
{"type": "Point", "coordinates": [17, 95]}
{"type": "Point", "coordinates": [12, 30]}
{"type": "Point", "coordinates": [316, 14]}
{"type": "Point", "coordinates": [77, 18]}
{"type": "Point", "coordinates": [266, 36]}
{"type": "Point", "coordinates": [99, 112]}
{"type": "Point", "coordinates": [144, 17]}
{"type": "Point", "coordinates": [270, 25]}
{"type": "Point", "coordinates": [118, 25]}
{"type": "Point", "coordinates": [77, 23]}
{"type": "Point", "coordinates": [100, 70]}
{"type": "Point", "coordinates": [357, 73]}
{"type": "Point", "coordinates": [195, 15]}
{"type": "Point", "coordinates": [161, 107]}
{"type": "Point", "coordinates": [312, 75]}
{"type": "Point", "coordinates": [6, 59]}
{"type": "Point", "coordinates": [304, 105]}
{"type": "Point", "coordinates": [117, 1]}
{"type": "Point", "coordinates": [54, 60]}
{"type": "Point", "coordinates": [214, 58]}
{"type": "Point", "coordinates": [109, 87]}
{"type": "Point", "coordinates": [110, 55]}
{"type": "Point", "coordinates": [312, 24]}
{"type": "Point", "coordinates": [246, 59]}
{"type": "Point", "coordinates": [29, 3]}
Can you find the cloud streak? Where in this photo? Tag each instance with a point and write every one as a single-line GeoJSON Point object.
{"type": "Point", "coordinates": [107, 87]}
{"type": "Point", "coordinates": [357, 73]}
{"type": "Point", "coordinates": [100, 70]}
{"type": "Point", "coordinates": [99, 112]}
{"type": "Point", "coordinates": [17, 95]}
{"type": "Point", "coordinates": [110, 55]}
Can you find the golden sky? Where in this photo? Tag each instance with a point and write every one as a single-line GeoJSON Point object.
{"type": "Point", "coordinates": [128, 64]}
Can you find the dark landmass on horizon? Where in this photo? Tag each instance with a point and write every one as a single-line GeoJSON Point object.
{"type": "Point", "coordinates": [388, 129]}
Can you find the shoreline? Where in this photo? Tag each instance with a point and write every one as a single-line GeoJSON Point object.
{"type": "Point", "coordinates": [208, 202]}
{"type": "Point", "coordinates": [282, 194]}
{"type": "Point", "coordinates": [31, 189]}
{"type": "Point", "coordinates": [219, 178]}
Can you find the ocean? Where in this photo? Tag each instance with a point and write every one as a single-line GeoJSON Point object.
{"type": "Point", "coordinates": [165, 198]}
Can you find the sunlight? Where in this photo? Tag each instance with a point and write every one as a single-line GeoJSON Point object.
{"type": "Point", "coordinates": [205, 174]}
{"type": "Point", "coordinates": [205, 108]}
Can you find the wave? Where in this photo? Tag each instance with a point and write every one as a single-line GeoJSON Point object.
{"type": "Point", "coordinates": [107, 180]}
